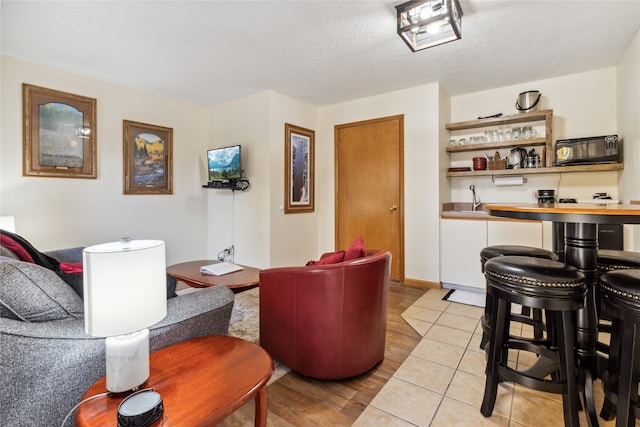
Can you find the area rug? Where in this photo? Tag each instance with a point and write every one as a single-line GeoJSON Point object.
{"type": "Point", "coordinates": [245, 323]}
{"type": "Point", "coordinates": [466, 297]}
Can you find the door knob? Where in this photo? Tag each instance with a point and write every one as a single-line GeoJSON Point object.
{"type": "Point", "coordinates": [393, 208]}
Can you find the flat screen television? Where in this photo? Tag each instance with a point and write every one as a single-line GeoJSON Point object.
{"type": "Point", "coordinates": [224, 163]}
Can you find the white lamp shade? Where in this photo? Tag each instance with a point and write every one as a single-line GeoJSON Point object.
{"type": "Point", "coordinates": [8, 223]}
{"type": "Point", "coordinates": [124, 286]}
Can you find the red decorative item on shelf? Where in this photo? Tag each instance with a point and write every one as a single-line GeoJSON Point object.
{"type": "Point", "coordinates": [479, 163]}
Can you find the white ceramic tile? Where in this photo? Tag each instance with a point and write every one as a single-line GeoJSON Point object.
{"type": "Point", "coordinates": [469, 389]}
{"type": "Point", "coordinates": [470, 311]}
{"type": "Point", "coordinates": [427, 374]}
{"type": "Point", "coordinates": [436, 293]}
{"type": "Point", "coordinates": [432, 303]}
{"type": "Point", "coordinates": [435, 351]}
{"type": "Point", "coordinates": [448, 335]}
{"type": "Point", "coordinates": [473, 363]}
{"type": "Point", "coordinates": [408, 401]}
{"type": "Point", "coordinates": [448, 360]}
{"type": "Point", "coordinates": [374, 417]}
{"type": "Point", "coordinates": [474, 344]}
{"type": "Point", "coordinates": [455, 413]}
{"type": "Point", "coordinates": [533, 410]}
{"type": "Point", "coordinates": [420, 326]}
{"type": "Point", "coordinates": [458, 322]}
{"type": "Point", "coordinates": [421, 313]}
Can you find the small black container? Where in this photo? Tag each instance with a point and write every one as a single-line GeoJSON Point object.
{"type": "Point", "coordinates": [546, 196]}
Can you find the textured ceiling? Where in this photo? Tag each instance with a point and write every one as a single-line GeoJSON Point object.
{"type": "Point", "coordinates": [319, 52]}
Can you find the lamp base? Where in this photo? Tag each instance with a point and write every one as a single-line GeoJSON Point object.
{"type": "Point", "coordinates": [127, 358]}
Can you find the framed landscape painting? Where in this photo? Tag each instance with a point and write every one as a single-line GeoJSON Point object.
{"type": "Point", "coordinates": [147, 158]}
{"type": "Point", "coordinates": [299, 173]}
{"type": "Point", "coordinates": [59, 133]}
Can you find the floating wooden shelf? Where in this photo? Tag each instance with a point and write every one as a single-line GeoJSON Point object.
{"type": "Point", "coordinates": [545, 116]}
{"type": "Point", "coordinates": [553, 169]}
{"type": "Point", "coordinates": [535, 116]}
{"type": "Point", "coordinates": [497, 145]}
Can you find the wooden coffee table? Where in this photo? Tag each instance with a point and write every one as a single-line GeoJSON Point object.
{"type": "Point", "coordinates": [201, 381]}
{"type": "Point", "coordinates": [189, 272]}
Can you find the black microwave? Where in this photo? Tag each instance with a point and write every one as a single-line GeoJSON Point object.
{"type": "Point", "coordinates": [587, 151]}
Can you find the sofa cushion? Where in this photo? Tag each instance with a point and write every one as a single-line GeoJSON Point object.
{"type": "Point", "coordinates": [32, 293]}
{"type": "Point", "coordinates": [356, 250]}
{"type": "Point", "coordinates": [329, 258]}
{"type": "Point", "coordinates": [4, 252]}
{"type": "Point", "coordinates": [15, 247]}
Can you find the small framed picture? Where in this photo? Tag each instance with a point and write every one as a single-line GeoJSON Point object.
{"type": "Point", "coordinates": [299, 173]}
{"type": "Point", "coordinates": [59, 134]}
{"type": "Point", "coordinates": [147, 158]}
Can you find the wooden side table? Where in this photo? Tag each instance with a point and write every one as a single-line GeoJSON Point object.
{"type": "Point", "coordinates": [189, 272]}
{"type": "Point", "coordinates": [201, 381]}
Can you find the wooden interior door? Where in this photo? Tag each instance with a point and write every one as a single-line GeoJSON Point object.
{"type": "Point", "coordinates": [369, 187]}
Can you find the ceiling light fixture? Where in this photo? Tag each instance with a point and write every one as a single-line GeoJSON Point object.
{"type": "Point", "coordinates": [423, 24]}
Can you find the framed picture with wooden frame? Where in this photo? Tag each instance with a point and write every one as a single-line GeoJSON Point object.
{"type": "Point", "coordinates": [299, 169]}
{"type": "Point", "coordinates": [59, 134]}
{"type": "Point", "coordinates": [147, 158]}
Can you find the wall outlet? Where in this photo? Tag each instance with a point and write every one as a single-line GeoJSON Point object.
{"type": "Point", "coordinates": [534, 195]}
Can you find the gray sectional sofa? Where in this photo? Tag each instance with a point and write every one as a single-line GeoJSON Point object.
{"type": "Point", "coordinates": [47, 362]}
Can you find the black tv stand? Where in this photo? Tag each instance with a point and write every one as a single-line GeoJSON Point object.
{"type": "Point", "coordinates": [241, 184]}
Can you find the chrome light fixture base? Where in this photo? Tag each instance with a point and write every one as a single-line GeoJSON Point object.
{"type": "Point", "coordinates": [427, 23]}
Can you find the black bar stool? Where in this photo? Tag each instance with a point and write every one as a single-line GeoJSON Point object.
{"type": "Point", "coordinates": [611, 260]}
{"type": "Point", "coordinates": [560, 291]}
{"type": "Point", "coordinates": [525, 316]}
{"type": "Point", "coordinates": [620, 300]}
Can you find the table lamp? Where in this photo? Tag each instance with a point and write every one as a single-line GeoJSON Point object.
{"type": "Point", "coordinates": [8, 223]}
{"type": "Point", "coordinates": [124, 294]}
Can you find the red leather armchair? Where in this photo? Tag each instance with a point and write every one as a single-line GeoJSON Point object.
{"type": "Point", "coordinates": [326, 321]}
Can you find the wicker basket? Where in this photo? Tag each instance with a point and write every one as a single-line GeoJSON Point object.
{"type": "Point", "coordinates": [497, 164]}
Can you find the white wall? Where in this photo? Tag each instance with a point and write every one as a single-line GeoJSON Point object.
{"type": "Point", "coordinates": [293, 237]}
{"type": "Point", "coordinates": [56, 213]}
{"type": "Point", "coordinates": [197, 222]}
{"type": "Point", "coordinates": [628, 95]}
{"type": "Point", "coordinates": [254, 220]}
{"type": "Point", "coordinates": [420, 106]}
{"type": "Point", "coordinates": [239, 218]}
{"type": "Point", "coordinates": [583, 105]}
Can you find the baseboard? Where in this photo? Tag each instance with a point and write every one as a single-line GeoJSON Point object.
{"type": "Point", "coordinates": [422, 283]}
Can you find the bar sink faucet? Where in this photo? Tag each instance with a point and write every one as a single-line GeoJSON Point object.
{"type": "Point", "coordinates": [476, 201]}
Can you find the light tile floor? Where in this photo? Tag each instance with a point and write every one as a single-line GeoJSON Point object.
{"type": "Point", "coordinates": [442, 382]}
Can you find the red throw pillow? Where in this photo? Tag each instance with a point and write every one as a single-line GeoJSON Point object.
{"type": "Point", "coordinates": [16, 248]}
{"type": "Point", "coordinates": [71, 267]}
{"type": "Point", "coordinates": [356, 250]}
{"type": "Point", "coordinates": [329, 258]}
